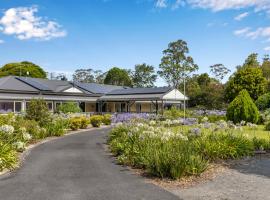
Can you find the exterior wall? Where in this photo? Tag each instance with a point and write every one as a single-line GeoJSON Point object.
{"type": "Point", "coordinates": [90, 107]}
{"type": "Point", "coordinates": [133, 108]}
{"type": "Point", "coordinates": [146, 107]}
{"type": "Point", "coordinates": [111, 107]}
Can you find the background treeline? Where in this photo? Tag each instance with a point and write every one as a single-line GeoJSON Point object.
{"type": "Point", "coordinates": [178, 69]}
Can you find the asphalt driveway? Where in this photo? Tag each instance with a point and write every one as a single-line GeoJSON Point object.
{"type": "Point", "coordinates": [76, 167]}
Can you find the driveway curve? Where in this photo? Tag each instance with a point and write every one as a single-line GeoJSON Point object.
{"type": "Point", "coordinates": [76, 167]}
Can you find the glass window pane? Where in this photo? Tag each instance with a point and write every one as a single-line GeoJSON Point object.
{"type": "Point", "coordinates": [18, 106]}
{"type": "Point", "coordinates": [50, 105]}
{"type": "Point", "coordinates": [6, 107]}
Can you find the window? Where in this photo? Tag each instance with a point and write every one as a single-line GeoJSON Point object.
{"type": "Point", "coordinates": [6, 107]}
{"type": "Point", "coordinates": [50, 106]}
{"type": "Point", "coordinates": [117, 107]}
{"type": "Point", "coordinates": [18, 106]}
{"type": "Point", "coordinates": [57, 104]}
{"type": "Point", "coordinates": [123, 107]}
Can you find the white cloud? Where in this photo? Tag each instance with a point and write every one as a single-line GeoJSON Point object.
{"type": "Point", "coordinates": [218, 5]}
{"type": "Point", "coordinates": [24, 24]}
{"type": "Point", "coordinates": [261, 32]}
{"type": "Point", "coordinates": [2, 41]}
{"type": "Point", "coordinates": [178, 3]}
{"type": "Point", "coordinates": [241, 16]}
{"type": "Point", "coordinates": [241, 31]}
{"type": "Point", "coordinates": [161, 3]}
{"type": "Point", "coordinates": [267, 48]}
{"type": "Point", "coordinates": [173, 4]}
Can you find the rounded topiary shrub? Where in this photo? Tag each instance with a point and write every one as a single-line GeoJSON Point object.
{"type": "Point", "coordinates": [243, 108]}
{"type": "Point", "coordinates": [263, 102]}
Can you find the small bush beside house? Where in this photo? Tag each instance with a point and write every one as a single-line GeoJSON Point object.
{"type": "Point", "coordinates": [69, 107]}
{"type": "Point", "coordinates": [96, 120]}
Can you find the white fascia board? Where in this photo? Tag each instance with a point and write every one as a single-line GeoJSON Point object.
{"type": "Point", "coordinates": [174, 95]}
{"type": "Point", "coordinates": [73, 90]}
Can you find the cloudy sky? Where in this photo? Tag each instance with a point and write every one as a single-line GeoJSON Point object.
{"type": "Point", "coordinates": [62, 36]}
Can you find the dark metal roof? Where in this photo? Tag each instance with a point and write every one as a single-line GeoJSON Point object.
{"type": "Point", "coordinates": [45, 84]}
{"type": "Point", "coordinates": [97, 88]}
{"type": "Point", "coordinates": [34, 83]}
{"type": "Point", "coordinates": [10, 83]}
{"type": "Point", "coordinates": [157, 90]}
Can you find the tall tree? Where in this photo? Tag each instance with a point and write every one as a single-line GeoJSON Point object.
{"type": "Point", "coordinates": [175, 64]}
{"type": "Point", "coordinates": [99, 76]}
{"type": "Point", "coordinates": [83, 75]}
{"type": "Point", "coordinates": [266, 67]}
{"type": "Point", "coordinates": [252, 61]}
{"type": "Point", "coordinates": [61, 77]}
{"type": "Point", "coordinates": [24, 68]}
{"type": "Point", "coordinates": [248, 78]}
{"type": "Point", "coordinates": [204, 91]}
{"type": "Point", "coordinates": [117, 76]}
{"type": "Point", "coordinates": [144, 76]}
{"type": "Point", "coordinates": [219, 71]}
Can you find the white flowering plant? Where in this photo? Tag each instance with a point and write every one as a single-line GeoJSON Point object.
{"type": "Point", "coordinates": [176, 148]}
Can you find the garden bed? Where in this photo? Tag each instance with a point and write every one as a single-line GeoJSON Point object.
{"type": "Point", "coordinates": [183, 149]}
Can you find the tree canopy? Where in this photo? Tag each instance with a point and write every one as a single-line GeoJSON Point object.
{"type": "Point", "coordinates": [204, 91]}
{"type": "Point", "coordinates": [247, 77]}
{"type": "Point", "coordinates": [89, 76]}
{"type": "Point", "coordinates": [144, 76]}
{"type": "Point", "coordinates": [117, 76]}
{"type": "Point", "coordinates": [219, 71]}
{"type": "Point", "coordinates": [176, 64]}
{"type": "Point", "coordinates": [24, 68]}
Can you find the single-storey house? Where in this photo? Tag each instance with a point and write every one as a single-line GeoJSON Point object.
{"type": "Point", "coordinates": [16, 92]}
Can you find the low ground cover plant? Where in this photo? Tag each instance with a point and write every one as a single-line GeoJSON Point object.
{"type": "Point", "coordinates": [183, 147]}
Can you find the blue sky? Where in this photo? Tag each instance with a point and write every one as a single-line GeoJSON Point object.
{"type": "Point", "coordinates": [62, 36]}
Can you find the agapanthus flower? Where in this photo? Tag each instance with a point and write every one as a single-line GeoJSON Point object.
{"type": "Point", "coordinates": [195, 131]}
{"type": "Point", "coordinates": [19, 146]}
{"type": "Point", "coordinates": [7, 129]}
{"type": "Point", "coordinates": [27, 136]}
{"type": "Point", "coordinates": [152, 123]}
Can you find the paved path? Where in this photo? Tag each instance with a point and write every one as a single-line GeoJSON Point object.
{"type": "Point", "coordinates": [76, 167]}
{"type": "Point", "coordinates": [247, 181]}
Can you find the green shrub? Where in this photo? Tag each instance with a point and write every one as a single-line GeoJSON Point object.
{"type": "Point", "coordinates": [212, 118]}
{"type": "Point", "coordinates": [263, 102]}
{"type": "Point", "coordinates": [84, 123]}
{"type": "Point", "coordinates": [75, 123]}
{"type": "Point", "coordinates": [260, 143]}
{"type": "Point", "coordinates": [224, 146]}
{"type": "Point", "coordinates": [242, 108]}
{"type": "Point", "coordinates": [96, 120]}
{"type": "Point", "coordinates": [8, 156]}
{"type": "Point", "coordinates": [107, 119]}
{"type": "Point", "coordinates": [38, 110]}
{"type": "Point", "coordinates": [267, 126]}
{"type": "Point", "coordinates": [177, 155]}
{"type": "Point", "coordinates": [69, 107]}
{"type": "Point", "coordinates": [174, 113]}
{"type": "Point", "coordinates": [7, 119]}
{"type": "Point", "coordinates": [57, 127]}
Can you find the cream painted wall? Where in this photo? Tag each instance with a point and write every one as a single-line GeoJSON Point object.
{"type": "Point", "coordinates": [90, 107]}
